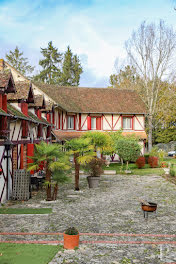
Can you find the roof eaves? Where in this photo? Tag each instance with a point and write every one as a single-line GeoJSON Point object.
{"type": "Point", "coordinates": [35, 119]}
{"type": "Point", "coordinates": [3, 113]}
{"type": "Point", "coordinates": [16, 114]}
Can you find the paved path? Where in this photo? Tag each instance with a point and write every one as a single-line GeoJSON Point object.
{"type": "Point", "coordinates": [112, 208]}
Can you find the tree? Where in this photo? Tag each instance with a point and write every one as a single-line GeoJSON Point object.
{"type": "Point", "coordinates": [101, 142]}
{"type": "Point", "coordinates": [15, 59]}
{"type": "Point", "coordinates": [124, 78]}
{"type": "Point", "coordinates": [56, 163]}
{"type": "Point", "coordinates": [128, 149]}
{"type": "Point", "coordinates": [71, 69]}
{"type": "Point", "coordinates": [150, 51]}
{"type": "Point", "coordinates": [64, 70]}
{"type": "Point", "coordinates": [83, 153]}
{"type": "Point", "coordinates": [51, 65]}
{"type": "Point", "coordinates": [77, 70]}
{"type": "Point", "coordinates": [164, 118]}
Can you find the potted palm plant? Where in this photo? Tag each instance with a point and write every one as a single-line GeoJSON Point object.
{"type": "Point", "coordinates": [71, 238]}
{"type": "Point", "coordinates": [56, 164]}
{"type": "Point", "coordinates": [83, 152]}
{"type": "Point", "coordinates": [94, 168]}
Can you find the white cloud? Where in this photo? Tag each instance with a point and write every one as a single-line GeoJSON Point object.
{"type": "Point", "coordinates": [95, 31]}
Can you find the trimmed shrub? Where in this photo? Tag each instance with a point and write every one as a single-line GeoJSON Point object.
{"type": "Point", "coordinates": [94, 167]}
{"type": "Point", "coordinates": [140, 162]}
{"type": "Point", "coordinates": [164, 164]}
{"type": "Point", "coordinates": [153, 162]}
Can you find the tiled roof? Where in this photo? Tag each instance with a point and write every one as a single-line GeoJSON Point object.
{"type": "Point", "coordinates": [16, 113]}
{"type": "Point", "coordinates": [4, 78]}
{"type": "Point", "coordinates": [49, 106]}
{"type": "Point", "coordinates": [95, 100]}
{"type": "Point", "coordinates": [22, 89]}
{"type": "Point", "coordinates": [66, 135]}
{"type": "Point", "coordinates": [6, 81]}
{"type": "Point", "coordinates": [38, 99]}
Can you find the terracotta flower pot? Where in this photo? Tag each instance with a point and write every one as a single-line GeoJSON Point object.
{"type": "Point", "coordinates": [71, 241]}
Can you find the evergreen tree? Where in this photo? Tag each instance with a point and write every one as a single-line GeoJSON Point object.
{"type": "Point", "coordinates": [71, 69]}
{"type": "Point", "coordinates": [67, 69]}
{"type": "Point", "coordinates": [77, 70]}
{"type": "Point", "coordinates": [15, 59]}
{"type": "Point", "coordinates": [51, 65]}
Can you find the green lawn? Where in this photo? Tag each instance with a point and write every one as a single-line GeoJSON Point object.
{"type": "Point", "coordinates": [26, 253]}
{"type": "Point", "coordinates": [144, 171]}
{"type": "Point", "coordinates": [171, 160]}
{"type": "Point", "coordinates": [6, 210]}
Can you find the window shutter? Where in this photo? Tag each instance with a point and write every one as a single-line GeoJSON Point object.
{"type": "Point", "coordinates": [98, 123]}
{"type": "Point", "coordinates": [30, 152]}
{"type": "Point", "coordinates": [88, 123]}
{"type": "Point", "coordinates": [24, 108]}
{"type": "Point", "coordinates": [48, 117]}
{"type": "Point", "coordinates": [4, 102]}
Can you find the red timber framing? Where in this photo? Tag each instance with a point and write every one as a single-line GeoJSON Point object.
{"type": "Point", "coordinates": [136, 118]}
{"type": "Point", "coordinates": [58, 127]}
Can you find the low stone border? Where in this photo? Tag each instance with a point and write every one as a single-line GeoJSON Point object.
{"type": "Point", "coordinates": [110, 172]}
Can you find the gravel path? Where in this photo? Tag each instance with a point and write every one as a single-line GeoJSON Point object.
{"type": "Point", "coordinates": [114, 207]}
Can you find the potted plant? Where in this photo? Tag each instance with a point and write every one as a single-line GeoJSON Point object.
{"type": "Point", "coordinates": [83, 152]}
{"type": "Point", "coordinates": [94, 168]}
{"type": "Point", "coordinates": [56, 164]}
{"type": "Point", "coordinates": [71, 238]}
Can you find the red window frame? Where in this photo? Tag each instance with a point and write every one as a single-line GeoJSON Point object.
{"type": "Point", "coordinates": [98, 123]}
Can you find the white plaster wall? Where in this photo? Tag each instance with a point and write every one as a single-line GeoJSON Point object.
{"type": "Point", "coordinates": [32, 110]}
{"type": "Point", "coordinates": [107, 122]}
{"type": "Point", "coordinates": [116, 123]}
{"type": "Point", "coordinates": [64, 121]}
{"type": "Point", "coordinates": [84, 121]}
{"type": "Point", "coordinates": [17, 125]}
{"type": "Point", "coordinates": [137, 124]}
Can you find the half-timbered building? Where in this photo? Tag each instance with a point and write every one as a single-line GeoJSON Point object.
{"type": "Point", "coordinates": [78, 110]}
{"type": "Point", "coordinates": [23, 124]}
{"type": "Point", "coordinates": [45, 112]}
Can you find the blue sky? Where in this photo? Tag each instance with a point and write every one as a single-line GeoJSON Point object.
{"type": "Point", "coordinates": [95, 29]}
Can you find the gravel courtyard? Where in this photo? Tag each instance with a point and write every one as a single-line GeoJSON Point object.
{"type": "Point", "coordinates": [114, 207]}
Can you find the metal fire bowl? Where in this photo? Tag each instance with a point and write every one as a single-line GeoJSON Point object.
{"type": "Point", "coordinates": [149, 208]}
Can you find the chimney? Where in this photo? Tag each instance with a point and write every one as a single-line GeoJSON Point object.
{"type": "Point", "coordinates": [2, 64]}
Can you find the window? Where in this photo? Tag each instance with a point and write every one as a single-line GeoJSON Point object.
{"type": "Point", "coordinates": [93, 123]}
{"type": "Point", "coordinates": [127, 122]}
{"type": "Point", "coordinates": [70, 122]}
